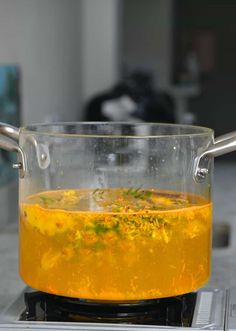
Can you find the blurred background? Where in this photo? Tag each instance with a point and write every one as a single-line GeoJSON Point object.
{"type": "Point", "coordinates": [147, 60]}
{"type": "Point", "coordinates": [160, 60]}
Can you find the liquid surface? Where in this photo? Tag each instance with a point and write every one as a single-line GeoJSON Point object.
{"type": "Point", "coordinates": [115, 244]}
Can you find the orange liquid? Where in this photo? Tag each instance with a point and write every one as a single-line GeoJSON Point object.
{"type": "Point", "coordinates": [115, 244]}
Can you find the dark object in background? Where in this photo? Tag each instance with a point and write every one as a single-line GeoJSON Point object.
{"type": "Point", "coordinates": [133, 98]}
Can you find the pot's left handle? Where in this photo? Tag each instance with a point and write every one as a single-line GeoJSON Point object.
{"type": "Point", "coordinates": [9, 136]}
{"type": "Point", "coordinates": [222, 145]}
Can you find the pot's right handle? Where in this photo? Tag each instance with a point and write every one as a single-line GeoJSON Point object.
{"type": "Point", "coordinates": [222, 145]}
{"type": "Point", "coordinates": [8, 137]}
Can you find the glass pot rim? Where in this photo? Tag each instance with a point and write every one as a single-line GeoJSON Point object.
{"type": "Point", "coordinates": [69, 129]}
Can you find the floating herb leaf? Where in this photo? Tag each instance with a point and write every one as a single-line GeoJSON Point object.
{"type": "Point", "coordinates": [138, 193]}
{"type": "Point", "coordinates": [99, 228]}
{"type": "Point", "coordinates": [47, 200]}
{"type": "Point", "coordinates": [95, 191]}
{"type": "Point", "coordinates": [98, 194]}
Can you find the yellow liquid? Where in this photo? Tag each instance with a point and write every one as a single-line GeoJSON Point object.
{"type": "Point", "coordinates": [115, 244]}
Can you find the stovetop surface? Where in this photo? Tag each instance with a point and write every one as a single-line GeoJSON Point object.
{"type": "Point", "coordinates": [205, 309]}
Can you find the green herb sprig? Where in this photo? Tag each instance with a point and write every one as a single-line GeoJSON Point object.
{"type": "Point", "coordinates": [47, 200]}
{"type": "Point", "coordinates": [98, 194]}
{"type": "Point", "coordinates": [137, 193]}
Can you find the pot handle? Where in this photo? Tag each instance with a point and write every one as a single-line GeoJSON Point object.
{"type": "Point", "coordinates": [8, 137]}
{"type": "Point", "coordinates": [222, 145]}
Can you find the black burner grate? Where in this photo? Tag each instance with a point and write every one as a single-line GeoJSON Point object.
{"type": "Point", "coordinates": [173, 311]}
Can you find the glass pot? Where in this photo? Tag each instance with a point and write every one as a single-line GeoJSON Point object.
{"type": "Point", "coordinates": [115, 211]}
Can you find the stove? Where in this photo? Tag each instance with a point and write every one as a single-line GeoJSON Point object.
{"type": "Point", "coordinates": [208, 309]}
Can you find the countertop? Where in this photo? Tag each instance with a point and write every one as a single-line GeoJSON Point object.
{"type": "Point", "coordinates": [223, 259]}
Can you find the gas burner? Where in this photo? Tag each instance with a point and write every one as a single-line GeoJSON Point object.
{"type": "Point", "coordinates": [174, 311]}
{"type": "Point", "coordinates": [208, 309]}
